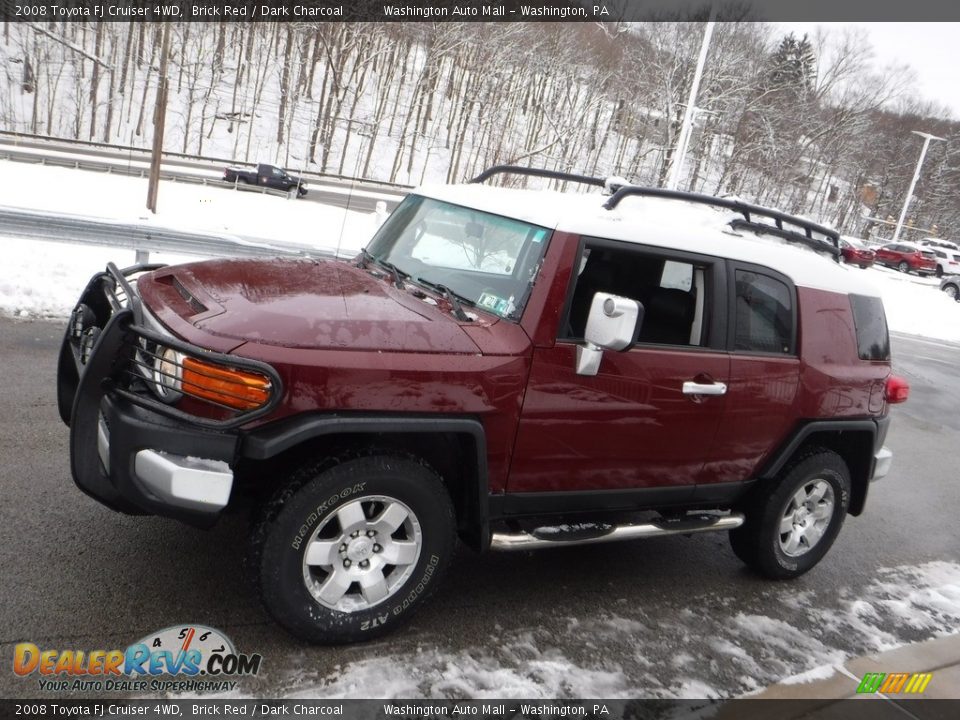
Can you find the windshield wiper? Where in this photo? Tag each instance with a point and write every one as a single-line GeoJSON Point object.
{"type": "Point", "coordinates": [398, 274]}
{"type": "Point", "coordinates": [365, 258]}
{"type": "Point", "coordinates": [451, 297]}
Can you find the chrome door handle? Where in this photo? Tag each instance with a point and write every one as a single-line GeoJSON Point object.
{"type": "Point", "coordinates": [693, 388]}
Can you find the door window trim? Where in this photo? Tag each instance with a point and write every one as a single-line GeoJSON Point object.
{"type": "Point", "coordinates": [732, 267]}
{"type": "Point", "coordinates": [714, 334]}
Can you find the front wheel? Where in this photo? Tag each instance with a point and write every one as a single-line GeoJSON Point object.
{"type": "Point", "coordinates": [939, 272]}
{"type": "Point", "coordinates": [904, 266]}
{"type": "Point", "coordinates": [793, 521]}
{"type": "Point", "coordinates": [346, 554]}
{"type": "Point", "coordinates": [952, 291]}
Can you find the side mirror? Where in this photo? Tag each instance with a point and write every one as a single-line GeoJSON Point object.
{"type": "Point", "coordinates": [613, 324]}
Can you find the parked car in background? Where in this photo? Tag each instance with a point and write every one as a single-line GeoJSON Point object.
{"type": "Point", "coordinates": [907, 257]}
{"type": "Point", "coordinates": [948, 255]}
{"type": "Point", "coordinates": [267, 176]}
{"type": "Point", "coordinates": [948, 261]}
{"type": "Point", "coordinates": [854, 252]}
{"type": "Point", "coordinates": [951, 286]}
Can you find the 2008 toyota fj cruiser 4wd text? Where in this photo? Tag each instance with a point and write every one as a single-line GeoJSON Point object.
{"type": "Point", "coordinates": [495, 362]}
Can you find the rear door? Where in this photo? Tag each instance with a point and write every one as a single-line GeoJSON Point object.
{"type": "Point", "coordinates": [764, 375]}
{"type": "Point", "coordinates": [632, 429]}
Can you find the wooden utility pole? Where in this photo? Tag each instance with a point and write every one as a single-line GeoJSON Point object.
{"type": "Point", "coordinates": [159, 120]}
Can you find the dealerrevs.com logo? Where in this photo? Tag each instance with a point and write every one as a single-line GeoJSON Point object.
{"type": "Point", "coordinates": [196, 657]}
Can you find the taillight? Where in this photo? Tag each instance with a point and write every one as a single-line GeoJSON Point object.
{"type": "Point", "coordinates": [898, 389]}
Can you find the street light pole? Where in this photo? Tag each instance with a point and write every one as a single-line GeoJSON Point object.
{"type": "Point", "coordinates": [673, 179]}
{"type": "Point", "coordinates": [927, 137]}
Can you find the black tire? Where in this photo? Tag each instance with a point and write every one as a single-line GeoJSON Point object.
{"type": "Point", "coordinates": [904, 266]}
{"type": "Point", "coordinates": [301, 191]}
{"type": "Point", "coordinates": [939, 272]}
{"type": "Point", "coordinates": [864, 267]}
{"type": "Point", "coordinates": [759, 542]}
{"type": "Point", "coordinates": [952, 291]}
{"type": "Point", "coordinates": [309, 505]}
{"type": "Point", "coordinates": [243, 181]}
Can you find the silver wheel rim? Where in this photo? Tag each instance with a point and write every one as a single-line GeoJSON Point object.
{"type": "Point", "coordinates": [951, 291]}
{"type": "Point", "coordinates": [362, 553]}
{"type": "Point", "coordinates": [806, 518]}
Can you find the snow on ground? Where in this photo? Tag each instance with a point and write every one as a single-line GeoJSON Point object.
{"type": "Point", "coordinates": [41, 279]}
{"type": "Point", "coordinates": [183, 206]}
{"type": "Point", "coordinates": [917, 306]}
{"type": "Point", "coordinates": [730, 649]}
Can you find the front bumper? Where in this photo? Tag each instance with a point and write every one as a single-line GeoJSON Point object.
{"type": "Point", "coordinates": [128, 450]}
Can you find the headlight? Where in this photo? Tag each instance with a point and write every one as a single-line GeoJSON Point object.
{"type": "Point", "coordinates": [168, 374]}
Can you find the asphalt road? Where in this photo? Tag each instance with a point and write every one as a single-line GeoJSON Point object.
{"type": "Point", "coordinates": [76, 575]}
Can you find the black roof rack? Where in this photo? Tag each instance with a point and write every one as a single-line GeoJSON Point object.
{"type": "Point", "coordinates": [749, 212]}
{"type": "Point", "coordinates": [537, 172]}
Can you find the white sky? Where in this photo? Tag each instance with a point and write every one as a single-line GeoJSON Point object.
{"type": "Point", "coordinates": [929, 48]}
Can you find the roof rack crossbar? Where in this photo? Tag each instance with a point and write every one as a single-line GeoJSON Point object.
{"type": "Point", "coordinates": [537, 172]}
{"type": "Point", "coordinates": [830, 244]}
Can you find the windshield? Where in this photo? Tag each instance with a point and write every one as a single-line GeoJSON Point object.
{"type": "Point", "coordinates": [485, 260]}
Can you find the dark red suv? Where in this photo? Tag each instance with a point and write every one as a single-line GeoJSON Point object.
{"type": "Point", "coordinates": [497, 365]}
{"type": "Point", "coordinates": [907, 258]}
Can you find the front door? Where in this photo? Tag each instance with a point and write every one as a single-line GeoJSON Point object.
{"type": "Point", "coordinates": [633, 426]}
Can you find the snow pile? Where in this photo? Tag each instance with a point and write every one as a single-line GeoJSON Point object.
{"type": "Point", "coordinates": [918, 307]}
{"type": "Point", "coordinates": [730, 648]}
{"type": "Point", "coordinates": [518, 668]}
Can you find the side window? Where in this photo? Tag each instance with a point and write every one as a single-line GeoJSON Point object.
{"type": "Point", "coordinates": [670, 290]}
{"type": "Point", "coordinates": [764, 314]}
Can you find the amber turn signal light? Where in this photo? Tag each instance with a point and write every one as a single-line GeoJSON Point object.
{"type": "Point", "coordinates": [237, 389]}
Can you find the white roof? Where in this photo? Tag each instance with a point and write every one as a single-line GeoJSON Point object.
{"type": "Point", "coordinates": [661, 223]}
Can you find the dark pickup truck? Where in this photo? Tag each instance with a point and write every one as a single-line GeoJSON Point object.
{"type": "Point", "coordinates": [267, 175]}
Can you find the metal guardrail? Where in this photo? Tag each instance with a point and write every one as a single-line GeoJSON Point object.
{"type": "Point", "coordinates": [143, 239]}
{"type": "Point", "coordinates": [78, 146]}
{"type": "Point", "coordinates": [112, 168]}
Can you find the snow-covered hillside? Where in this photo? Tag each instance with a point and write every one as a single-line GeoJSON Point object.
{"type": "Point", "coordinates": [809, 126]}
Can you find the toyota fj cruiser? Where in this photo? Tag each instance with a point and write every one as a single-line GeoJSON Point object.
{"type": "Point", "coordinates": [515, 368]}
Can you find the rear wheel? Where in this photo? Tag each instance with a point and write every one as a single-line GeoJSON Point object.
{"type": "Point", "coordinates": [346, 554]}
{"type": "Point", "coordinates": [952, 291]}
{"type": "Point", "coordinates": [793, 521]}
{"type": "Point", "coordinates": [939, 272]}
{"type": "Point", "coordinates": [904, 266]}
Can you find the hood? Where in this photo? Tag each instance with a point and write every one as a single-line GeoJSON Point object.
{"type": "Point", "coordinates": [324, 304]}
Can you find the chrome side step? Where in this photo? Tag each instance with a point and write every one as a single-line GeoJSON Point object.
{"type": "Point", "coordinates": [541, 537]}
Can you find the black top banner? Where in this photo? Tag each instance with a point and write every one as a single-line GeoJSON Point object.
{"type": "Point", "coordinates": [314, 11]}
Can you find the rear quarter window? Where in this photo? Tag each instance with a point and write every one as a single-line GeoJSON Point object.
{"type": "Point", "coordinates": [873, 339]}
{"type": "Point", "coordinates": [764, 319]}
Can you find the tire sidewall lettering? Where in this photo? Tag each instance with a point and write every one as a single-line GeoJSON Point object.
{"type": "Point", "coordinates": [322, 510]}
{"type": "Point", "coordinates": [421, 585]}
